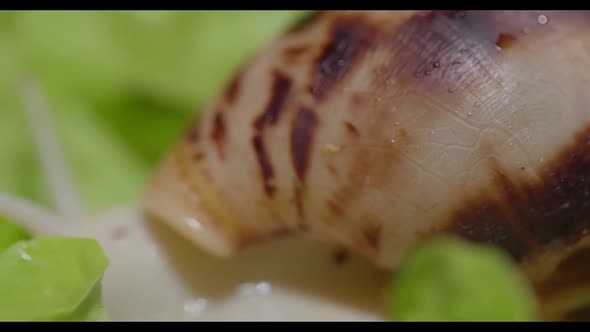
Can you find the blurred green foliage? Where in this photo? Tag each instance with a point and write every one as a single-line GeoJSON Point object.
{"type": "Point", "coordinates": [52, 279]}
{"type": "Point", "coordinates": [121, 86]}
{"type": "Point", "coordinates": [451, 279]}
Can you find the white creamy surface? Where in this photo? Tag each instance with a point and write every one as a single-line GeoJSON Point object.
{"type": "Point", "coordinates": [154, 274]}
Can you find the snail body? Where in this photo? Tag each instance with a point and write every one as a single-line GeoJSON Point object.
{"type": "Point", "coordinates": [376, 130]}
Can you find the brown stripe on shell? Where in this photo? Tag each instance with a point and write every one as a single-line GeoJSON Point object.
{"type": "Point", "coordinates": [559, 205]}
{"type": "Point", "coordinates": [351, 128]}
{"type": "Point", "coordinates": [341, 198]}
{"type": "Point", "coordinates": [193, 132]}
{"type": "Point", "coordinates": [266, 168]}
{"type": "Point", "coordinates": [335, 208]}
{"type": "Point", "coordinates": [350, 39]}
{"type": "Point", "coordinates": [302, 134]}
{"type": "Point", "coordinates": [198, 156]}
{"type": "Point", "coordinates": [218, 133]}
{"type": "Point", "coordinates": [556, 207]}
{"type": "Point", "coordinates": [505, 40]}
{"type": "Point", "coordinates": [486, 222]}
{"type": "Point", "coordinates": [232, 90]}
{"type": "Point", "coordinates": [298, 197]}
{"type": "Point", "coordinates": [281, 88]}
{"type": "Point", "coordinates": [295, 53]}
{"type": "Point", "coordinates": [360, 99]}
{"type": "Point", "coordinates": [341, 256]}
{"type": "Point", "coordinates": [332, 170]}
{"type": "Point", "coordinates": [372, 233]}
{"type": "Point", "coordinates": [303, 128]}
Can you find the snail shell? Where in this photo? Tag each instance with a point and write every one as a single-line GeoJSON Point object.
{"type": "Point", "coordinates": [376, 130]}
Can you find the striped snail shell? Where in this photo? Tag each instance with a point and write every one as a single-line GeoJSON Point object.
{"type": "Point", "coordinates": [375, 130]}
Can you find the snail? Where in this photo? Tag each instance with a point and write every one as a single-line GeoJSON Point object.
{"type": "Point", "coordinates": [377, 130]}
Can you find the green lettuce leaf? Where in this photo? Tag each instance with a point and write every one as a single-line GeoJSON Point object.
{"type": "Point", "coordinates": [448, 279]}
{"type": "Point", "coordinates": [52, 279]}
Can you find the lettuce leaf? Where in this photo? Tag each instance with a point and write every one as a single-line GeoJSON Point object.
{"type": "Point", "coordinates": [52, 279]}
{"type": "Point", "coordinates": [449, 279]}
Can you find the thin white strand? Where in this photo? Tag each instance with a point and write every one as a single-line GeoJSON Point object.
{"type": "Point", "coordinates": [35, 219]}
{"type": "Point", "coordinates": [51, 157]}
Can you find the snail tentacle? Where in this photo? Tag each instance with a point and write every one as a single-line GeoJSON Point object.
{"type": "Point", "coordinates": [51, 157]}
